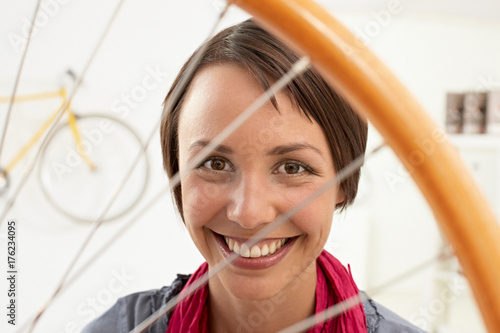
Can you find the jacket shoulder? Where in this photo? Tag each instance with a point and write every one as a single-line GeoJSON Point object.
{"type": "Point", "coordinates": [131, 310]}
{"type": "Point", "coordinates": [381, 320]}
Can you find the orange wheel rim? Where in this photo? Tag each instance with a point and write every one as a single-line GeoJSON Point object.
{"type": "Point", "coordinates": [460, 209]}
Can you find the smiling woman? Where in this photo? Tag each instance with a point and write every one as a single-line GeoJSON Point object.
{"type": "Point", "coordinates": [255, 186]}
{"type": "Point", "coordinates": [291, 147]}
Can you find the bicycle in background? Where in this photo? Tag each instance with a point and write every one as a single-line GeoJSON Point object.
{"type": "Point", "coordinates": [81, 163]}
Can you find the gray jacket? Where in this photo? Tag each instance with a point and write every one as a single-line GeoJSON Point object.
{"type": "Point", "coordinates": [131, 310]}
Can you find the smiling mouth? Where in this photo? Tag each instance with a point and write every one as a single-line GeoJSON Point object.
{"type": "Point", "coordinates": [264, 248]}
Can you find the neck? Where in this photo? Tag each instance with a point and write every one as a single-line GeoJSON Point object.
{"type": "Point", "coordinates": [292, 304]}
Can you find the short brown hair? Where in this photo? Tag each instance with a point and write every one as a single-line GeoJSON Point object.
{"type": "Point", "coordinates": [253, 48]}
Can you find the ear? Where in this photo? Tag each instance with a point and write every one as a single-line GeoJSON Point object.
{"type": "Point", "coordinates": [340, 196]}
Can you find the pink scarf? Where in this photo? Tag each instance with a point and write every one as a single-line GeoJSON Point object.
{"type": "Point", "coordinates": [334, 285]}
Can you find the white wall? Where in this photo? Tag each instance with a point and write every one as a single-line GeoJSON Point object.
{"type": "Point", "coordinates": [433, 47]}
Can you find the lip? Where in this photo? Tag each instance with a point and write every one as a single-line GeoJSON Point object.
{"type": "Point", "coordinates": [254, 263]}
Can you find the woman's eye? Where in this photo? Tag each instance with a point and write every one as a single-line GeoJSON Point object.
{"type": "Point", "coordinates": [291, 168]}
{"type": "Point", "coordinates": [216, 164]}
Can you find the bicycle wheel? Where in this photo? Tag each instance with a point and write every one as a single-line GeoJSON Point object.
{"type": "Point", "coordinates": [465, 218]}
{"type": "Point", "coordinates": [270, 10]}
{"type": "Point", "coordinates": [77, 190]}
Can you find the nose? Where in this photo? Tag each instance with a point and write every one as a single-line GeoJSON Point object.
{"type": "Point", "coordinates": [252, 202]}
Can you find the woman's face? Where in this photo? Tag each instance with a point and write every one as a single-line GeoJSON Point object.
{"type": "Point", "coordinates": [267, 166]}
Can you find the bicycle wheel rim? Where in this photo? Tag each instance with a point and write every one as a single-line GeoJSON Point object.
{"type": "Point", "coordinates": [461, 210]}
{"type": "Point", "coordinates": [114, 215]}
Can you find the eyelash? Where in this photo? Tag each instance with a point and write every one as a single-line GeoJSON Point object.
{"type": "Point", "coordinates": [306, 168]}
{"type": "Point", "coordinates": [214, 158]}
{"type": "Point", "coordinates": [302, 165]}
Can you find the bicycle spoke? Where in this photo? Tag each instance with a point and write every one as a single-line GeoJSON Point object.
{"type": "Point", "coordinates": [155, 130]}
{"type": "Point", "coordinates": [298, 68]}
{"type": "Point", "coordinates": [341, 176]}
{"type": "Point", "coordinates": [31, 164]}
{"type": "Point", "coordinates": [97, 254]}
{"type": "Point", "coordinates": [72, 93]}
{"type": "Point", "coordinates": [347, 304]}
{"type": "Point", "coordinates": [18, 77]}
{"type": "Point", "coordinates": [444, 254]}
{"type": "Point", "coordinates": [355, 165]}
{"type": "Point", "coordinates": [67, 280]}
{"type": "Point", "coordinates": [326, 314]}
{"type": "Point", "coordinates": [98, 222]}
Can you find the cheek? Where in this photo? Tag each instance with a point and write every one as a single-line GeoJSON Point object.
{"type": "Point", "coordinates": [201, 200]}
{"type": "Point", "coordinates": [315, 219]}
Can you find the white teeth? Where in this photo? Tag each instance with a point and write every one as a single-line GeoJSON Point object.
{"type": "Point", "coordinates": [272, 247]}
{"type": "Point", "coordinates": [245, 251]}
{"type": "Point", "coordinates": [229, 242]}
{"type": "Point", "coordinates": [255, 252]}
{"type": "Point", "coordinates": [265, 250]}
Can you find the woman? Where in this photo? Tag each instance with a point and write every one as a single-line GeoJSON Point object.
{"type": "Point", "coordinates": [283, 153]}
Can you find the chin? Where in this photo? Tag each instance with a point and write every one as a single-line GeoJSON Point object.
{"type": "Point", "coordinates": [253, 288]}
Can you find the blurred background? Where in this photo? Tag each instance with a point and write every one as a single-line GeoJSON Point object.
{"type": "Point", "coordinates": [433, 47]}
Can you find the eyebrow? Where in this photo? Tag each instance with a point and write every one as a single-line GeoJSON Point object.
{"type": "Point", "coordinates": [285, 149]}
{"type": "Point", "coordinates": [203, 143]}
{"type": "Point", "coordinates": [279, 150]}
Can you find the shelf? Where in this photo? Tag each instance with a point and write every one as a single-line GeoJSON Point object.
{"type": "Point", "coordinates": [474, 140]}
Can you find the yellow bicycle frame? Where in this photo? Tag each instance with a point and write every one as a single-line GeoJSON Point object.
{"type": "Point", "coordinates": [45, 126]}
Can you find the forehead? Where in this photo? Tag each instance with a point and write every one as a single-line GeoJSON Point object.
{"type": "Point", "coordinates": [219, 93]}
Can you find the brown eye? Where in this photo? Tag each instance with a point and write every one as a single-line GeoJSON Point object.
{"type": "Point", "coordinates": [291, 168]}
{"type": "Point", "coordinates": [218, 165]}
